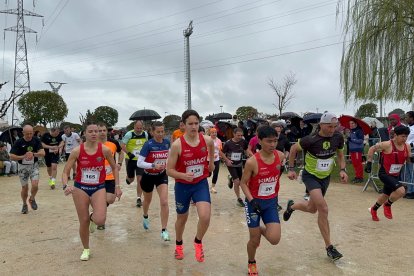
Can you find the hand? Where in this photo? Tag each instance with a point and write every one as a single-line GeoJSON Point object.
{"type": "Point", "coordinates": [368, 167]}
{"type": "Point", "coordinates": [229, 162]}
{"type": "Point", "coordinates": [188, 177]}
{"type": "Point", "coordinates": [292, 175]}
{"type": "Point", "coordinates": [255, 205]}
{"type": "Point", "coordinates": [159, 167]}
{"type": "Point", "coordinates": [344, 176]}
{"type": "Point", "coordinates": [28, 155]}
{"type": "Point", "coordinates": [118, 192]}
{"type": "Point", "coordinates": [131, 155]}
{"type": "Point", "coordinates": [118, 167]}
{"type": "Point", "coordinates": [68, 189]}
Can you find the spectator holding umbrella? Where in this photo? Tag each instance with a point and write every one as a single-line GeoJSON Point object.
{"type": "Point", "coordinates": [395, 121]}
{"type": "Point", "coordinates": [356, 148]}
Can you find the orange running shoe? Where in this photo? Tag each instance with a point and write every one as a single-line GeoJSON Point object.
{"type": "Point", "coordinates": [373, 214]}
{"type": "Point", "coordinates": [199, 253]}
{"type": "Point", "coordinates": [179, 252]}
{"type": "Point", "coordinates": [387, 211]}
{"type": "Point", "coordinates": [252, 269]}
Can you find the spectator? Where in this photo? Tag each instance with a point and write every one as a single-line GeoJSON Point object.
{"type": "Point", "coordinates": [395, 121]}
{"type": "Point", "coordinates": [374, 136]}
{"type": "Point", "coordinates": [304, 129]}
{"type": "Point", "coordinates": [10, 166]}
{"type": "Point", "coordinates": [409, 170]}
{"type": "Point", "coordinates": [291, 132]}
{"type": "Point", "coordinates": [356, 148]}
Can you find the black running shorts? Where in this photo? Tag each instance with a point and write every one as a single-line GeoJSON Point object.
{"type": "Point", "coordinates": [149, 181]}
{"type": "Point", "coordinates": [312, 182]}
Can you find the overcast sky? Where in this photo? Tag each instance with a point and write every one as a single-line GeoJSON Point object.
{"type": "Point", "coordinates": [129, 54]}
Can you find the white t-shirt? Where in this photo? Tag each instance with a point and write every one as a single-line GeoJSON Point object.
{"type": "Point", "coordinates": [410, 138]}
{"type": "Point", "coordinates": [71, 142]}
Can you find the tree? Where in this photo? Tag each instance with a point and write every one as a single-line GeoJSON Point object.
{"type": "Point", "coordinates": [77, 127]}
{"type": "Point", "coordinates": [284, 92]}
{"type": "Point", "coordinates": [398, 111]}
{"type": "Point", "coordinates": [367, 110]}
{"type": "Point", "coordinates": [378, 56]}
{"type": "Point", "coordinates": [6, 103]}
{"type": "Point", "coordinates": [246, 112]}
{"type": "Point", "coordinates": [171, 121]}
{"type": "Point", "coordinates": [88, 117]}
{"type": "Point", "coordinates": [107, 115]}
{"type": "Point", "coordinates": [42, 107]}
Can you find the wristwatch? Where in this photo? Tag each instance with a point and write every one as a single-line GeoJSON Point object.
{"type": "Point", "coordinates": [153, 165]}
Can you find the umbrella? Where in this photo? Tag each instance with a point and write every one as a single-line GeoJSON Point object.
{"type": "Point", "coordinates": [223, 116]}
{"type": "Point", "coordinates": [370, 120]}
{"type": "Point", "coordinates": [312, 118]}
{"type": "Point", "coordinates": [345, 119]}
{"type": "Point", "coordinates": [207, 124]}
{"type": "Point", "coordinates": [145, 115]}
{"type": "Point", "coordinates": [289, 115]}
{"type": "Point", "coordinates": [259, 120]}
{"type": "Point", "coordinates": [7, 135]}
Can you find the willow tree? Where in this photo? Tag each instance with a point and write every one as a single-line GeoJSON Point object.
{"type": "Point", "coordinates": [378, 54]}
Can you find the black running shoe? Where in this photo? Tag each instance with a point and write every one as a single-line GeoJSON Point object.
{"type": "Point", "coordinates": [101, 227]}
{"type": "Point", "coordinates": [25, 210]}
{"type": "Point", "coordinates": [332, 253]}
{"type": "Point", "coordinates": [230, 182]}
{"type": "Point", "coordinates": [289, 210]}
{"type": "Point", "coordinates": [139, 202]}
{"type": "Point", "coordinates": [240, 202]}
{"type": "Point", "coordinates": [279, 208]}
{"type": "Point", "coordinates": [33, 204]}
{"type": "Point", "coordinates": [127, 181]}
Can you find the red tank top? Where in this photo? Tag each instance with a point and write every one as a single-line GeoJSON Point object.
{"type": "Point", "coordinates": [393, 162]}
{"type": "Point", "coordinates": [90, 168]}
{"type": "Point", "coordinates": [193, 159]}
{"type": "Point", "coordinates": [265, 184]}
{"type": "Point", "coordinates": [157, 157]}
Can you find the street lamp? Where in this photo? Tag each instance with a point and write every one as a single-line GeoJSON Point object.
{"type": "Point", "coordinates": [221, 108]}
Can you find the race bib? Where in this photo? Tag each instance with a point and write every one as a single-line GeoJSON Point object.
{"type": "Point", "coordinates": [90, 177]}
{"type": "Point", "coordinates": [235, 156]}
{"type": "Point", "coordinates": [324, 165]}
{"type": "Point", "coordinates": [160, 161]}
{"type": "Point", "coordinates": [197, 170]}
{"type": "Point", "coordinates": [395, 168]}
{"type": "Point", "coordinates": [108, 170]}
{"type": "Point", "coordinates": [267, 189]}
{"type": "Point", "coordinates": [28, 161]}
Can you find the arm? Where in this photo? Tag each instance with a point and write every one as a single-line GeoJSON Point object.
{"type": "Point", "coordinates": [342, 164]}
{"type": "Point", "coordinates": [247, 174]}
{"type": "Point", "coordinates": [66, 170]}
{"type": "Point", "coordinates": [249, 150]}
{"type": "Point", "coordinates": [108, 156]}
{"type": "Point", "coordinates": [39, 153]}
{"type": "Point", "coordinates": [210, 147]}
{"type": "Point", "coordinates": [292, 155]}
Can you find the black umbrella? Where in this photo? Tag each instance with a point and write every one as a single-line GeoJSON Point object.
{"type": "Point", "coordinates": [223, 116]}
{"type": "Point", "coordinates": [145, 115]}
{"type": "Point", "coordinates": [7, 135]}
{"type": "Point", "coordinates": [289, 115]}
{"type": "Point", "coordinates": [312, 118]}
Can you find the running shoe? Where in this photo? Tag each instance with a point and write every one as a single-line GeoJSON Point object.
{"type": "Point", "coordinates": [52, 184]}
{"type": "Point", "coordinates": [213, 190]}
{"type": "Point", "coordinates": [127, 181]}
{"type": "Point", "coordinates": [240, 202]}
{"type": "Point", "coordinates": [101, 227]}
{"type": "Point", "coordinates": [289, 210]}
{"type": "Point", "coordinates": [332, 253]}
{"type": "Point", "coordinates": [33, 204]}
{"type": "Point", "coordinates": [387, 211]}
{"type": "Point", "coordinates": [252, 269]}
{"type": "Point", "coordinates": [139, 202]}
{"type": "Point", "coordinates": [306, 197]}
{"type": "Point", "coordinates": [146, 223]}
{"type": "Point", "coordinates": [25, 210]}
{"type": "Point", "coordinates": [165, 235]}
{"type": "Point", "coordinates": [85, 255]}
{"type": "Point", "coordinates": [279, 208]}
{"type": "Point", "coordinates": [230, 182]}
{"type": "Point", "coordinates": [179, 252]}
{"type": "Point", "coordinates": [199, 253]}
{"type": "Point", "coordinates": [92, 225]}
{"type": "Point", "coordinates": [373, 214]}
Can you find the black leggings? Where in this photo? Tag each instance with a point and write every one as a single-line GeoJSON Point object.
{"type": "Point", "coordinates": [216, 171]}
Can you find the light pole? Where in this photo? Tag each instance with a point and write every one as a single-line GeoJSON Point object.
{"type": "Point", "coordinates": [221, 108]}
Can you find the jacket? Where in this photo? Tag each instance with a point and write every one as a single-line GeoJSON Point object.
{"type": "Point", "coordinates": [356, 140]}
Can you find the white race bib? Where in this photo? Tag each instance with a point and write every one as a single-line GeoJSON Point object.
{"type": "Point", "coordinates": [28, 161]}
{"type": "Point", "coordinates": [108, 170]}
{"type": "Point", "coordinates": [160, 162]}
{"type": "Point", "coordinates": [90, 177]}
{"type": "Point", "coordinates": [197, 170]}
{"type": "Point", "coordinates": [235, 156]}
{"type": "Point", "coordinates": [395, 168]}
{"type": "Point", "coordinates": [324, 165]}
{"type": "Point", "coordinates": [267, 189]}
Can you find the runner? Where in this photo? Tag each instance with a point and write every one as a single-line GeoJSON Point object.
{"type": "Point", "coordinates": [132, 144]}
{"type": "Point", "coordinates": [71, 140]}
{"type": "Point", "coordinates": [89, 184]}
{"type": "Point", "coordinates": [115, 148]}
{"type": "Point", "coordinates": [190, 161]}
{"type": "Point", "coordinates": [320, 150]}
{"type": "Point", "coordinates": [153, 159]}
{"type": "Point", "coordinates": [217, 149]}
{"type": "Point", "coordinates": [178, 132]}
{"type": "Point", "coordinates": [232, 153]}
{"type": "Point", "coordinates": [393, 157]}
{"type": "Point", "coordinates": [26, 151]}
{"type": "Point", "coordinates": [52, 143]}
{"type": "Point", "coordinates": [260, 184]}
